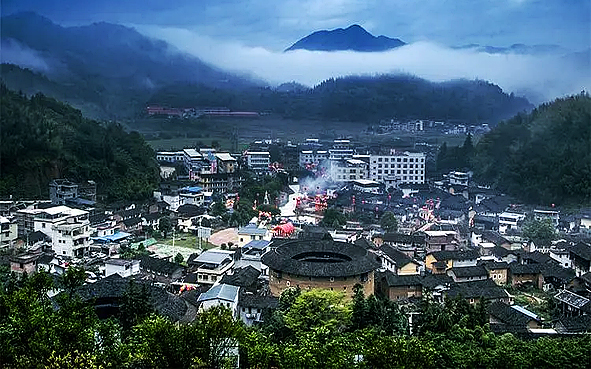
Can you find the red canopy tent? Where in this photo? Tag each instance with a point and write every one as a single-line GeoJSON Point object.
{"type": "Point", "coordinates": [284, 230]}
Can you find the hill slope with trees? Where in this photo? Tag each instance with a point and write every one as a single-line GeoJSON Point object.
{"type": "Point", "coordinates": [42, 138]}
{"type": "Point", "coordinates": [360, 99]}
{"type": "Point", "coordinates": [543, 157]}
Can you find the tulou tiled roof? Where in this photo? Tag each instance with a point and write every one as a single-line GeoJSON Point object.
{"type": "Point", "coordinates": [320, 258]}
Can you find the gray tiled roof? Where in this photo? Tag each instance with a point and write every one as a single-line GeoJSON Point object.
{"type": "Point", "coordinates": [475, 289]}
{"type": "Point", "coordinates": [220, 291]}
{"type": "Point", "coordinates": [212, 257]}
{"type": "Point", "coordinates": [400, 258]}
{"type": "Point", "coordinates": [470, 271]}
{"type": "Point", "coordinates": [455, 255]}
{"type": "Point", "coordinates": [508, 315]}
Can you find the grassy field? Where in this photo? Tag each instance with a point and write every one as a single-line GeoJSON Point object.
{"type": "Point", "coordinates": [170, 134]}
{"type": "Point", "coordinates": [186, 241]}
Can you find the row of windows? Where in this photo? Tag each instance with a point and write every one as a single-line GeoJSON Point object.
{"type": "Point", "coordinates": [407, 178]}
{"type": "Point", "coordinates": [398, 172]}
{"type": "Point", "coordinates": [400, 166]}
{"type": "Point", "coordinates": [401, 160]}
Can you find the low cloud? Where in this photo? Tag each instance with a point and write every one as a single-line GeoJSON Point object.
{"type": "Point", "coordinates": [538, 77]}
{"type": "Point", "coordinates": [15, 53]}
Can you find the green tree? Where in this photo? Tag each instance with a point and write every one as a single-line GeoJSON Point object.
{"type": "Point", "coordinates": [389, 222]}
{"type": "Point", "coordinates": [179, 258]}
{"type": "Point", "coordinates": [540, 232]}
{"type": "Point", "coordinates": [218, 209]}
{"type": "Point", "coordinates": [165, 225]}
{"type": "Point", "coordinates": [73, 278]}
{"type": "Point", "coordinates": [333, 218]}
{"type": "Point", "coordinates": [135, 305]}
{"type": "Point", "coordinates": [318, 308]}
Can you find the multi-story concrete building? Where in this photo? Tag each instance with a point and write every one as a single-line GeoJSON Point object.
{"type": "Point", "coordinates": [509, 220]}
{"type": "Point", "coordinates": [552, 214]}
{"type": "Point", "coordinates": [397, 168]}
{"type": "Point", "coordinates": [226, 163]}
{"type": "Point", "coordinates": [348, 170]}
{"type": "Point", "coordinates": [458, 178]}
{"type": "Point", "coordinates": [192, 158]}
{"type": "Point", "coordinates": [170, 156]}
{"type": "Point", "coordinates": [312, 157]}
{"type": "Point", "coordinates": [8, 232]}
{"type": "Point", "coordinates": [69, 229]}
{"type": "Point", "coordinates": [61, 190]}
{"type": "Point", "coordinates": [258, 161]}
{"type": "Point", "coordinates": [341, 150]}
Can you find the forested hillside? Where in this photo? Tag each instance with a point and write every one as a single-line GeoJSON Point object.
{"type": "Point", "coordinates": [543, 157]}
{"type": "Point", "coordinates": [361, 99]}
{"type": "Point", "coordinates": [42, 138]}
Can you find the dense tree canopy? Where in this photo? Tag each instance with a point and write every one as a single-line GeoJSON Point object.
{"type": "Point", "coordinates": [312, 329]}
{"type": "Point", "coordinates": [44, 139]}
{"type": "Point", "coordinates": [543, 157]}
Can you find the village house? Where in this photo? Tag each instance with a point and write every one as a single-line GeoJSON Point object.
{"type": "Point", "coordinates": [467, 274]}
{"type": "Point", "coordinates": [441, 240]}
{"type": "Point", "coordinates": [580, 255]}
{"type": "Point", "coordinates": [211, 265]}
{"type": "Point", "coordinates": [474, 291]}
{"type": "Point", "coordinates": [571, 304]}
{"type": "Point", "coordinates": [450, 259]}
{"type": "Point", "coordinates": [24, 263]}
{"type": "Point", "coordinates": [252, 232]}
{"type": "Point", "coordinates": [221, 294]}
{"type": "Point", "coordinates": [125, 268]}
{"type": "Point", "coordinates": [512, 318]}
{"type": "Point", "coordinates": [396, 261]}
{"type": "Point", "coordinates": [8, 232]}
{"type": "Point", "coordinates": [497, 271]}
{"type": "Point", "coordinates": [160, 270]}
{"type": "Point", "coordinates": [399, 287]}
{"type": "Point", "coordinates": [251, 307]}
{"type": "Point", "coordinates": [521, 274]}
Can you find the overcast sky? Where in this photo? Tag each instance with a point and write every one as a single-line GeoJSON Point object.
{"type": "Point", "coordinates": [276, 24]}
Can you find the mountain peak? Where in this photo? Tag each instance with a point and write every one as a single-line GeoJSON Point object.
{"type": "Point", "coordinates": [354, 38]}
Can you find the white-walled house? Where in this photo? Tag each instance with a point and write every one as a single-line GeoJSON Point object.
{"type": "Point", "coordinates": [125, 268]}
{"type": "Point", "coordinates": [220, 294]}
{"type": "Point", "coordinates": [8, 232]}
{"type": "Point", "coordinates": [68, 228]}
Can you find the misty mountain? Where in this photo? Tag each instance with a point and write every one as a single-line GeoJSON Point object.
{"type": "Point", "coordinates": [516, 49]}
{"type": "Point", "coordinates": [360, 99]}
{"type": "Point", "coordinates": [354, 38]}
{"type": "Point", "coordinates": [116, 63]}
